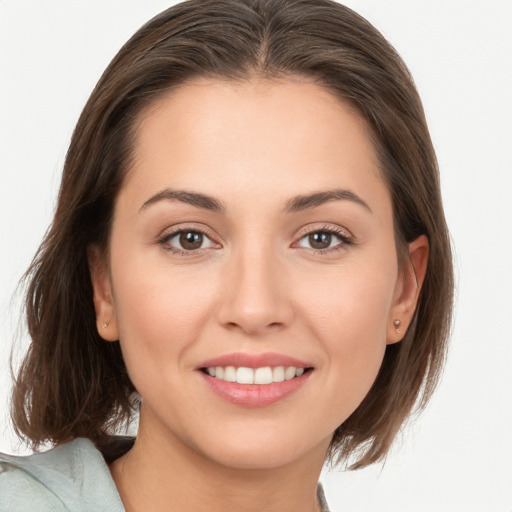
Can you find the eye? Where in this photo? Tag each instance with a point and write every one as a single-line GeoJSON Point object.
{"type": "Point", "coordinates": [186, 240]}
{"type": "Point", "coordinates": [325, 240]}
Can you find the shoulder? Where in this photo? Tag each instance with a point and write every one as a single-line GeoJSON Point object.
{"type": "Point", "coordinates": [71, 477]}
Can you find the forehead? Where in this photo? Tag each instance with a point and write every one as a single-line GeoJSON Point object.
{"type": "Point", "coordinates": [288, 135]}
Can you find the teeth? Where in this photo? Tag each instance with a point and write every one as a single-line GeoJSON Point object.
{"type": "Point", "coordinates": [229, 374]}
{"type": "Point", "coordinates": [289, 373]}
{"type": "Point", "coordinates": [245, 375]}
{"type": "Point", "coordinates": [278, 374]}
{"type": "Point", "coordinates": [264, 375]}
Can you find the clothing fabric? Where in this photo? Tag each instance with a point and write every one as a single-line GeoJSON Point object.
{"type": "Point", "coordinates": [73, 477]}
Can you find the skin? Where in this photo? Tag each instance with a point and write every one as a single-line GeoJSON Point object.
{"type": "Point", "coordinates": [256, 285]}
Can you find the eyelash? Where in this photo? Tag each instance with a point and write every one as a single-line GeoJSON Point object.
{"type": "Point", "coordinates": [164, 241]}
{"type": "Point", "coordinates": [343, 235]}
{"type": "Point", "coordinates": [345, 238]}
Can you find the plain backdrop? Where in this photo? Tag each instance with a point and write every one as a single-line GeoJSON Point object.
{"type": "Point", "coordinates": [456, 457]}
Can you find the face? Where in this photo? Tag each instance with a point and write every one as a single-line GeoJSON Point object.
{"type": "Point", "coordinates": [253, 242]}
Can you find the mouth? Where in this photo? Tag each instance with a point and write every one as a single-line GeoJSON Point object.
{"type": "Point", "coordinates": [255, 380]}
{"type": "Point", "coordinates": [264, 375]}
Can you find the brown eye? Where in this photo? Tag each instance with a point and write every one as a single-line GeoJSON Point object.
{"type": "Point", "coordinates": [320, 240]}
{"type": "Point", "coordinates": [187, 241]}
{"type": "Point", "coordinates": [325, 240]}
{"type": "Point", "coordinates": [190, 240]}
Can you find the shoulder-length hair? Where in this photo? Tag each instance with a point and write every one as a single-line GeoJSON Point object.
{"type": "Point", "coordinates": [74, 384]}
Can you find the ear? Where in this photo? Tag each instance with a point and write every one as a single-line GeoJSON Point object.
{"type": "Point", "coordinates": [407, 290]}
{"type": "Point", "coordinates": [106, 321]}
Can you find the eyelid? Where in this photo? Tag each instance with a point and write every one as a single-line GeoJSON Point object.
{"type": "Point", "coordinates": [346, 237]}
{"type": "Point", "coordinates": [329, 228]}
{"type": "Point", "coordinates": [170, 232]}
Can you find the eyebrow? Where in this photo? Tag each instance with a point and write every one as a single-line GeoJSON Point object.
{"type": "Point", "coordinates": [192, 198]}
{"type": "Point", "coordinates": [300, 203]}
{"type": "Point", "coordinates": [296, 204]}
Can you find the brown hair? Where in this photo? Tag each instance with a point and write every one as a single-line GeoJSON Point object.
{"type": "Point", "coordinates": [74, 384]}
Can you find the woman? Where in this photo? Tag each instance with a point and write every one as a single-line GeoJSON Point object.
{"type": "Point", "coordinates": [250, 246]}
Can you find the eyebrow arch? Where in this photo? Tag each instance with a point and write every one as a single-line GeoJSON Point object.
{"type": "Point", "coordinates": [300, 203]}
{"type": "Point", "coordinates": [193, 198]}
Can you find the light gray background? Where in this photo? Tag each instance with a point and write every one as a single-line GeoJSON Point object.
{"type": "Point", "coordinates": [456, 456]}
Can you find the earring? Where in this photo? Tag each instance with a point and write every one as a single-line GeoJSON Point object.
{"type": "Point", "coordinates": [105, 325]}
{"type": "Point", "coordinates": [397, 323]}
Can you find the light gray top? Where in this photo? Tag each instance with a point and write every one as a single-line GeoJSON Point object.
{"type": "Point", "coordinates": [73, 477]}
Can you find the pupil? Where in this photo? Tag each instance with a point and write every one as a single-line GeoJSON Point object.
{"type": "Point", "coordinates": [320, 240]}
{"type": "Point", "coordinates": [191, 240]}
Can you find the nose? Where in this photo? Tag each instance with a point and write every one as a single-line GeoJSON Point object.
{"type": "Point", "coordinates": [255, 297]}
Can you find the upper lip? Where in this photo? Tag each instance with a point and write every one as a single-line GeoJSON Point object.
{"type": "Point", "coordinates": [243, 359]}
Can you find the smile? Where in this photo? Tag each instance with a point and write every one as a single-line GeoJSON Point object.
{"type": "Point", "coordinates": [255, 380]}
{"type": "Point", "coordinates": [261, 376]}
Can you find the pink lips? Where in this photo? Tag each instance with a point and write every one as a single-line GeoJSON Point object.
{"type": "Point", "coordinates": [238, 359]}
{"type": "Point", "coordinates": [254, 395]}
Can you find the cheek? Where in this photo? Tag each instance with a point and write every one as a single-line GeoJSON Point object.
{"type": "Point", "coordinates": [159, 312]}
{"type": "Point", "coordinates": [348, 313]}
{"type": "Point", "coordinates": [351, 302]}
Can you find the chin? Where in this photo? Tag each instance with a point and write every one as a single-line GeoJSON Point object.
{"type": "Point", "coordinates": [258, 458]}
{"type": "Point", "coordinates": [262, 450]}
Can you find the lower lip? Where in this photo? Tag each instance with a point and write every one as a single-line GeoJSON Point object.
{"type": "Point", "coordinates": [255, 395]}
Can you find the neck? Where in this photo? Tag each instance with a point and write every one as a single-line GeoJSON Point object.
{"type": "Point", "coordinates": [162, 473]}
